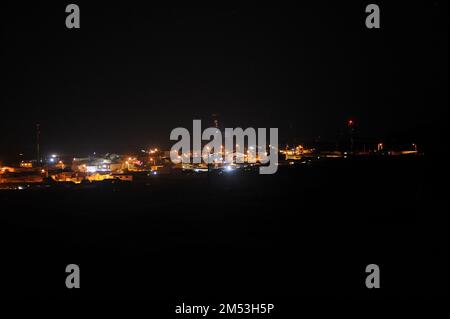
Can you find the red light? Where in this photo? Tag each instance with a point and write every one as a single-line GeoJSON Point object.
{"type": "Point", "coordinates": [350, 122]}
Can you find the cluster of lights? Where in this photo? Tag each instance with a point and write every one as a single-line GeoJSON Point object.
{"type": "Point", "coordinates": [26, 164]}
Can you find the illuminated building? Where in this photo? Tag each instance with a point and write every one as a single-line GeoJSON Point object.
{"type": "Point", "coordinates": [26, 164]}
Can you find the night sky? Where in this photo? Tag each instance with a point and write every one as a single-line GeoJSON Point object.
{"type": "Point", "coordinates": [133, 72]}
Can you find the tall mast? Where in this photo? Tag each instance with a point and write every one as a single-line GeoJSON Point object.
{"type": "Point", "coordinates": [37, 145]}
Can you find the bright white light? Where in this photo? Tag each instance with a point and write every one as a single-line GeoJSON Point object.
{"type": "Point", "coordinates": [154, 173]}
{"type": "Point", "coordinates": [53, 155]}
{"type": "Point", "coordinates": [228, 168]}
{"type": "Point", "coordinates": [92, 169]}
{"type": "Point", "coordinates": [52, 160]}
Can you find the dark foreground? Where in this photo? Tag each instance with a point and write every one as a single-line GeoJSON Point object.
{"type": "Point", "coordinates": [306, 231]}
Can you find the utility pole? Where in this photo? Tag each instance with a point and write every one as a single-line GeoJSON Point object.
{"type": "Point", "coordinates": [351, 130]}
{"type": "Point", "coordinates": [37, 145]}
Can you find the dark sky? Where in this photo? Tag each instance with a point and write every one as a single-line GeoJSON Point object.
{"type": "Point", "coordinates": [133, 72]}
